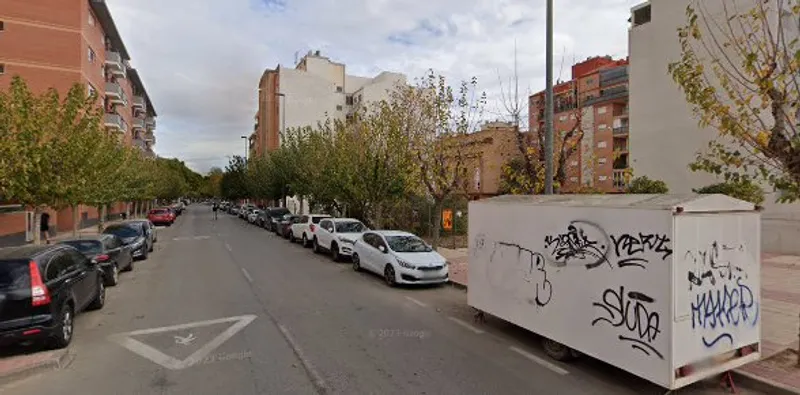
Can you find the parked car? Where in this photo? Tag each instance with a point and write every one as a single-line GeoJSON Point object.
{"type": "Point", "coordinates": [285, 224]}
{"type": "Point", "coordinates": [148, 227]}
{"type": "Point", "coordinates": [161, 216]}
{"type": "Point", "coordinates": [132, 236]}
{"type": "Point", "coordinates": [42, 288]}
{"type": "Point", "coordinates": [337, 235]}
{"type": "Point", "coordinates": [108, 251]}
{"type": "Point", "coordinates": [274, 215]}
{"type": "Point", "coordinates": [253, 215]}
{"type": "Point", "coordinates": [233, 210]}
{"type": "Point", "coordinates": [305, 227]}
{"type": "Point", "coordinates": [400, 257]}
{"type": "Point", "coordinates": [245, 210]}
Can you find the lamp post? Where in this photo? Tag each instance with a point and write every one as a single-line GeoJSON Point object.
{"type": "Point", "coordinates": [548, 112]}
{"type": "Point", "coordinates": [283, 113]}
{"type": "Point", "coordinates": [246, 146]}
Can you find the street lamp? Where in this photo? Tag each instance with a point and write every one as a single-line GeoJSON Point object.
{"type": "Point", "coordinates": [548, 111]}
{"type": "Point", "coordinates": [246, 146]}
{"type": "Point", "coordinates": [283, 111]}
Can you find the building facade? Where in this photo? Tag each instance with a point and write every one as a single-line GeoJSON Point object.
{"type": "Point", "coordinates": [594, 102]}
{"type": "Point", "coordinates": [484, 154]}
{"type": "Point", "coordinates": [314, 90]}
{"type": "Point", "coordinates": [56, 44]}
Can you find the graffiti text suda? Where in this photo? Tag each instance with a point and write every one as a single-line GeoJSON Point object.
{"type": "Point", "coordinates": [630, 312]}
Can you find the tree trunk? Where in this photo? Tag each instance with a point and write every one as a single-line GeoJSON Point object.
{"type": "Point", "coordinates": [37, 225]}
{"type": "Point", "coordinates": [101, 220]}
{"type": "Point", "coordinates": [75, 220]}
{"type": "Point", "coordinates": [301, 205]}
{"type": "Point", "coordinates": [438, 205]}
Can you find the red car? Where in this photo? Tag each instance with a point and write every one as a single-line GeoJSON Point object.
{"type": "Point", "coordinates": [161, 216]}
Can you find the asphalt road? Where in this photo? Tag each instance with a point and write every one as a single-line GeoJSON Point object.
{"type": "Point", "coordinates": [223, 307]}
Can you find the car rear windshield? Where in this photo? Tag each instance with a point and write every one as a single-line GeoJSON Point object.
{"type": "Point", "coordinates": [407, 244]}
{"type": "Point", "coordinates": [123, 231]}
{"type": "Point", "coordinates": [277, 213]}
{"type": "Point", "coordinates": [159, 212]}
{"type": "Point", "coordinates": [14, 275]}
{"type": "Point", "coordinates": [350, 227]}
{"type": "Point", "coordinates": [86, 246]}
{"type": "Point", "coordinates": [317, 219]}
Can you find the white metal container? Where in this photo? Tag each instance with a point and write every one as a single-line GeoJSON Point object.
{"type": "Point", "coordinates": [666, 287]}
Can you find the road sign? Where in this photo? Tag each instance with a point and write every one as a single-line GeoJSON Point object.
{"type": "Point", "coordinates": [447, 219]}
{"type": "Point", "coordinates": [126, 340]}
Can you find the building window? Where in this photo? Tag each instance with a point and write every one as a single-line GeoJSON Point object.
{"type": "Point", "coordinates": [572, 116]}
{"type": "Point", "coordinates": [349, 100]}
{"type": "Point", "coordinates": [90, 89]}
{"type": "Point", "coordinates": [601, 110]}
{"type": "Point", "coordinates": [2, 69]}
{"type": "Point", "coordinates": [602, 178]}
{"type": "Point", "coordinates": [601, 144]}
{"type": "Point", "coordinates": [589, 81]}
{"type": "Point", "coordinates": [91, 55]}
{"type": "Point", "coordinates": [573, 179]}
{"type": "Point", "coordinates": [339, 89]}
{"type": "Point", "coordinates": [642, 15]}
{"type": "Point", "coordinates": [602, 126]}
{"type": "Point", "coordinates": [562, 118]}
{"type": "Point", "coordinates": [338, 108]}
{"type": "Point", "coordinates": [573, 163]}
{"type": "Point", "coordinates": [601, 161]}
{"type": "Point", "coordinates": [2, 26]}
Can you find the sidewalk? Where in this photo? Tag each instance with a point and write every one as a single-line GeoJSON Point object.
{"type": "Point", "coordinates": [780, 321]}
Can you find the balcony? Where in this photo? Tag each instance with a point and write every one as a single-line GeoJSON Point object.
{"type": "Point", "coordinates": [115, 94]}
{"type": "Point", "coordinates": [138, 124]}
{"type": "Point", "coordinates": [139, 104]}
{"type": "Point", "coordinates": [149, 137]}
{"type": "Point", "coordinates": [150, 122]}
{"type": "Point", "coordinates": [621, 148]}
{"type": "Point", "coordinates": [621, 130]}
{"type": "Point", "coordinates": [115, 64]}
{"type": "Point", "coordinates": [115, 121]}
{"type": "Point", "coordinates": [139, 143]}
{"type": "Point", "coordinates": [621, 178]}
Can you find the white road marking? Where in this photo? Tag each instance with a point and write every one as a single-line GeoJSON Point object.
{"type": "Point", "coordinates": [126, 340]}
{"type": "Point", "coordinates": [417, 302]}
{"type": "Point", "coordinates": [228, 247]}
{"type": "Point", "coordinates": [540, 361]}
{"type": "Point", "coordinates": [247, 275]}
{"type": "Point", "coordinates": [191, 238]}
{"type": "Point", "coordinates": [465, 325]}
{"type": "Point", "coordinates": [319, 383]}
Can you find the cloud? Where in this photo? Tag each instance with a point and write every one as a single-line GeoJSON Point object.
{"type": "Point", "coordinates": [201, 60]}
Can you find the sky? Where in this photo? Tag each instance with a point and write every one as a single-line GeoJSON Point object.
{"type": "Point", "coordinates": [201, 60]}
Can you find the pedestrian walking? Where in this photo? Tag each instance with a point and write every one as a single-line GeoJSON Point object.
{"type": "Point", "coordinates": [44, 227]}
{"type": "Point", "coordinates": [215, 208]}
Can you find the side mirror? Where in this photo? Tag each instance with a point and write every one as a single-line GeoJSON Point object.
{"type": "Point", "coordinates": [382, 248]}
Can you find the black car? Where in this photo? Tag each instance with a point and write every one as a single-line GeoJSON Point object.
{"type": "Point", "coordinates": [133, 236]}
{"type": "Point", "coordinates": [108, 251]}
{"type": "Point", "coordinates": [148, 227]}
{"type": "Point", "coordinates": [285, 225]}
{"type": "Point", "coordinates": [42, 288]}
{"type": "Point", "coordinates": [274, 215]}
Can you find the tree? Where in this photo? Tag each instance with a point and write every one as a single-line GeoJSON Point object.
{"type": "Point", "coordinates": [740, 72]}
{"type": "Point", "coordinates": [41, 169]}
{"type": "Point", "coordinates": [742, 190]}
{"type": "Point", "coordinates": [213, 183]}
{"type": "Point", "coordinates": [234, 184]}
{"type": "Point", "coordinates": [436, 117]}
{"type": "Point", "coordinates": [644, 185]}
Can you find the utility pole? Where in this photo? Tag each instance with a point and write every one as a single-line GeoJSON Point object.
{"type": "Point", "coordinates": [548, 112]}
{"type": "Point", "coordinates": [246, 146]}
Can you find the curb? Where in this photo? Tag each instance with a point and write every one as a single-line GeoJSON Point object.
{"type": "Point", "coordinates": [457, 285]}
{"type": "Point", "coordinates": [757, 383]}
{"type": "Point", "coordinates": [59, 360]}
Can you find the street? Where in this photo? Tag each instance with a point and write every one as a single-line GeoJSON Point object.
{"type": "Point", "coordinates": [223, 307]}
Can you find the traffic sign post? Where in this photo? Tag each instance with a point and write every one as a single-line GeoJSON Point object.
{"type": "Point", "coordinates": [447, 219]}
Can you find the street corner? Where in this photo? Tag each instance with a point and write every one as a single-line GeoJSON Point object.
{"type": "Point", "coordinates": [19, 364]}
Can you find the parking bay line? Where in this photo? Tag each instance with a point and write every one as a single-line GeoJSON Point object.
{"type": "Point", "coordinates": [417, 302]}
{"type": "Point", "coordinates": [465, 325]}
{"type": "Point", "coordinates": [540, 361]}
{"type": "Point", "coordinates": [228, 247]}
{"type": "Point", "coordinates": [247, 275]}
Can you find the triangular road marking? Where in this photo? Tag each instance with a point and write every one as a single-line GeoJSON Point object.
{"type": "Point", "coordinates": [126, 340]}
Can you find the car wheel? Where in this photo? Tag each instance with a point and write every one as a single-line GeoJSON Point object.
{"type": "Point", "coordinates": [144, 254]}
{"type": "Point", "coordinates": [113, 278]}
{"type": "Point", "coordinates": [356, 262]}
{"type": "Point", "coordinates": [130, 266]}
{"type": "Point", "coordinates": [99, 300]}
{"type": "Point", "coordinates": [556, 350]}
{"type": "Point", "coordinates": [335, 252]}
{"type": "Point", "coordinates": [291, 237]}
{"type": "Point", "coordinates": [304, 241]}
{"type": "Point", "coordinates": [151, 247]}
{"type": "Point", "coordinates": [315, 246]}
{"type": "Point", "coordinates": [388, 276]}
{"type": "Point", "coordinates": [66, 326]}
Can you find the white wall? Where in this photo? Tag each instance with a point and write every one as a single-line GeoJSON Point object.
{"type": "Point", "coordinates": [380, 87]}
{"type": "Point", "coordinates": [309, 98]}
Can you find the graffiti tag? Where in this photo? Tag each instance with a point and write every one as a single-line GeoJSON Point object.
{"type": "Point", "coordinates": [630, 249]}
{"type": "Point", "coordinates": [534, 271]}
{"type": "Point", "coordinates": [583, 243]}
{"type": "Point", "coordinates": [630, 312]}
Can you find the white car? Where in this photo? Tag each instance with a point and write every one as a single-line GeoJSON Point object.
{"type": "Point", "coordinates": [304, 228]}
{"type": "Point", "coordinates": [337, 235]}
{"type": "Point", "coordinates": [400, 257]}
{"type": "Point", "coordinates": [252, 216]}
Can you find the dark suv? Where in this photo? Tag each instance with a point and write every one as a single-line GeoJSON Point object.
{"type": "Point", "coordinates": [41, 290]}
{"type": "Point", "coordinates": [273, 217]}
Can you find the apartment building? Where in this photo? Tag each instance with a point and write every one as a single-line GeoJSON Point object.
{"type": "Point", "coordinates": [484, 153]}
{"type": "Point", "coordinates": [594, 101]}
{"type": "Point", "coordinates": [316, 89]}
{"type": "Point", "coordinates": [56, 44]}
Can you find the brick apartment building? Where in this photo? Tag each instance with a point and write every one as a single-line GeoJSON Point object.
{"type": "Point", "coordinates": [484, 153]}
{"type": "Point", "coordinates": [595, 100]}
{"type": "Point", "coordinates": [55, 44]}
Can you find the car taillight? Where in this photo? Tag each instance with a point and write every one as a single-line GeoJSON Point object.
{"type": "Point", "coordinates": [102, 258]}
{"type": "Point", "coordinates": [40, 296]}
{"type": "Point", "coordinates": [311, 227]}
